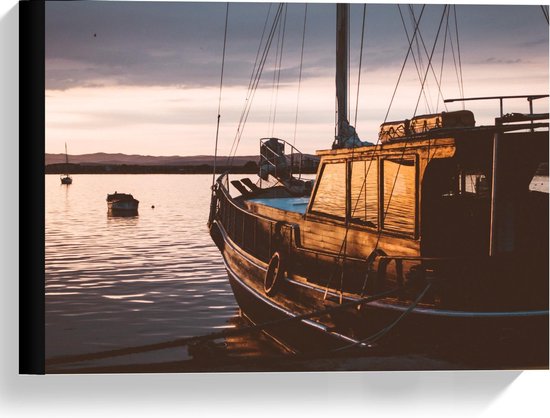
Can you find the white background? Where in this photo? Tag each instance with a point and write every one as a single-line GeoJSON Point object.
{"type": "Point", "coordinates": [427, 394]}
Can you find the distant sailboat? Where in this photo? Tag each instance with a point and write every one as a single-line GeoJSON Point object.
{"type": "Point", "coordinates": [67, 179]}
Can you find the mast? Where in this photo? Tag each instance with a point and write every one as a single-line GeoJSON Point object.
{"type": "Point", "coordinates": [342, 13]}
{"type": "Point", "coordinates": [66, 161]}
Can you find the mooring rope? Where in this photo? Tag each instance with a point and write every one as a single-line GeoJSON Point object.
{"type": "Point", "coordinates": [384, 331]}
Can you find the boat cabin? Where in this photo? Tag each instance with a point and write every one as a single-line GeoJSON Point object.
{"type": "Point", "coordinates": [435, 191]}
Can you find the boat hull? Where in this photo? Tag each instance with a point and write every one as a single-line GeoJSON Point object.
{"type": "Point", "coordinates": [473, 339]}
{"type": "Point", "coordinates": [123, 208]}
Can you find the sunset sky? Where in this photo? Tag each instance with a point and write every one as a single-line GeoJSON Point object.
{"type": "Point", "coordinates": [143, 77]}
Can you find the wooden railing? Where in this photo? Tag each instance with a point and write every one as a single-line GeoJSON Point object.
{"type": "Point", "coordinates": [253, 233]}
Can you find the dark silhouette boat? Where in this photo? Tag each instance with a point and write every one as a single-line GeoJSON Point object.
{"type": "Point", "coordinates": [429, 240]}
{"type": "Point", "coordinates": [122, 204]}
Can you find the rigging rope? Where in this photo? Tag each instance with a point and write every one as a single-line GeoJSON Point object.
{"type": "Point", "coordinates": [430, 65]}
{"type": "Point", "coordinates": [279, 65]}
{"type": "Point", "coordinates": [440, 94]}
{"type": "Point", "coordinates": [360, 66]}
{"type": "Point", "coordinates": [459, 57]}
{"type": "Point", "coordinates": [253, 86]}
{"type": "Point", "coordinates": [249, 88]}
{"type": "Point", "coordinates": [457, 74]}
{"type": "Point", "coordinates": [446, 10]}
{"type": "Point", "coordinates": [545, 12]}
{"type": "Point", "coordinates": [273, 82]}
{"type": "Point", "coordinates": [418, 72]}
{"type": "Point", "coordinates": [259, 46]}
{"type": "Point", "coordinates": [431, 56]}
{"type": "Point", "coordinates": [251, 76]}
{"type": "Point", "coordinates": [220, 96]}
{"type": "Point", "coordinates": [420, 56]}
{"type": "Point", "coordinates": [300, 75]}
{"type": "Point", "coordinates": [404, 63]}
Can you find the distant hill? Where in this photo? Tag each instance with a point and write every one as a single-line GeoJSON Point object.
{"type": "Point", "coordinates": [103, 163]}
{"type": "Point", "coordinates": [101, 158]}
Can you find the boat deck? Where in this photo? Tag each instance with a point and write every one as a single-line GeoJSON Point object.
{"type": "Point", "coordinates": [289, 204]}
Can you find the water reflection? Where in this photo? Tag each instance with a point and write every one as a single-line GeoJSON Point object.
{"type": "Point", "coordinates": [127, 214]}
{"type": "Point", "coordinates": [364, 191]}
{"type": "Point", "coordinates": [121, 217]}
{"type": "Point", "coordinates": [330, 197]}
{"type": "Point", "coordinates": [399, 195]}
{"type": "Point", "coordinates": [115, 282]}
{"type": "Point", "coordinates": [245, 346]}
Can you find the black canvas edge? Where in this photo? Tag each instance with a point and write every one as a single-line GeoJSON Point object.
{"type": "Point", "coordinates": [31, 186]}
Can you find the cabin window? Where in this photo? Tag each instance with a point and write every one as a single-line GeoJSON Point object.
{"type": "Point", "coordinates": [474, 183]}
{"type": "Point", "coordinates": [399, 195]}
{"type": "Point", "coordinates": [330, 197]}
{"type": "Point", "coordinates": [364, 192]}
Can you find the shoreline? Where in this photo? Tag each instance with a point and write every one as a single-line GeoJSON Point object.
{"type": "Point", "coordinates": [148, 169]}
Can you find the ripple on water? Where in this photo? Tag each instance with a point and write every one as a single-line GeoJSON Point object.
{"type": "Point", "coordinates": [119, 282]}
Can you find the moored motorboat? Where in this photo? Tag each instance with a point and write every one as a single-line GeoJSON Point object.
{"type": "Point", "coordinates": [66, 180]}
{"type": "Point", "coordinates": [122, 204]}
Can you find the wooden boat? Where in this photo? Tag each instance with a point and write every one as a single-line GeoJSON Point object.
{"type": "Point", "coordinates": [67, 179]}
{"type": "Point", "coordinates": [430, 240]}
{"type": "Point", "coordinates": [122, 204]}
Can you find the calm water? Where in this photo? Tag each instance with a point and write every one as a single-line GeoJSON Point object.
{"type": "Point", "coordinates": [124, 282]}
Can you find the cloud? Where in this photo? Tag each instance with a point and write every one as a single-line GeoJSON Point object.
{"type": "Point", "coordinates": [153, 44]}
{"type": "Point", "coordinates": [493, 60]}
{"type": "Point", "coordinates": [129, 43]}
{"type": "Point", "coordinates": [150, 76]}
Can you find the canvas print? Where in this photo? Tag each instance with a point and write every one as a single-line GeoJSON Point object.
{"type": "Point", "coordinates": [254, 187]}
